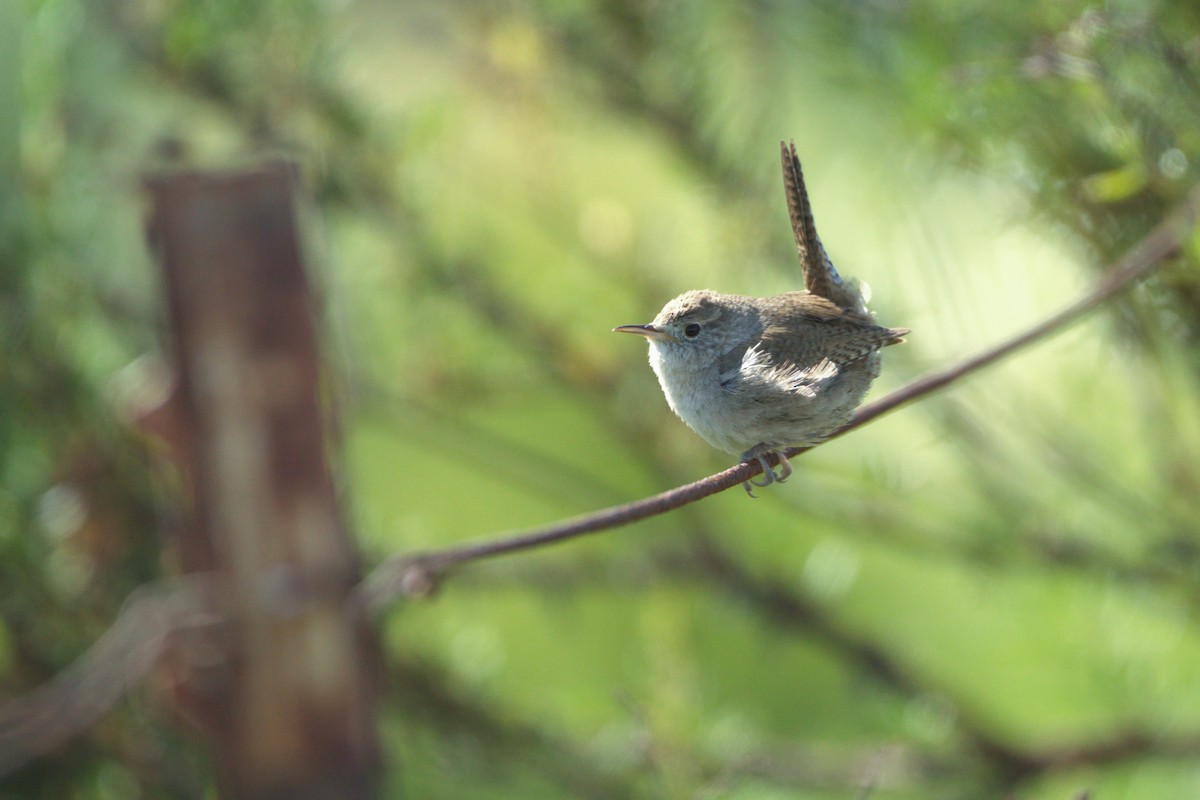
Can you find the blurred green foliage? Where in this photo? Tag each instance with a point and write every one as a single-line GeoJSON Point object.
{"type": "Point", "coordinates": [990, 594]}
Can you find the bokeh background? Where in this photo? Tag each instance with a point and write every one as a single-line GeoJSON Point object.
{"type": "Point", "coordinates": [993, 593]}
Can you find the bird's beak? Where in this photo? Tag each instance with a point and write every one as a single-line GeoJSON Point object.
{"type": "Point", "coordinates": [649, 331]}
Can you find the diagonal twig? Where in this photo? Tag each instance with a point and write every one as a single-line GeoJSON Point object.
{"type": "Point", "coordinates": [416, 574]}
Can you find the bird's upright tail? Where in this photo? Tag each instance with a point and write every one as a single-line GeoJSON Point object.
{"type": "Point", "coordinates": [820, 276]}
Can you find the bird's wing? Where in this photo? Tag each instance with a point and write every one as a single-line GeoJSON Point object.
{"type": "Point", "coordinates": [758, 372]}
{"type": "Point", "coordinates": [804, 381]}
{"type": "Point", "coordinates": [802, 334]}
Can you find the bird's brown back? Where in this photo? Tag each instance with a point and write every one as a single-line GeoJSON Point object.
{"type": "Point", "coordinates": [802, 328]}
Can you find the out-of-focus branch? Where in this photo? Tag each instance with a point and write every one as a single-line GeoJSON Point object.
{"type": "Point", "coordinates": [40, 720]}
{"type": "Point", "coordinates": [418, 573]}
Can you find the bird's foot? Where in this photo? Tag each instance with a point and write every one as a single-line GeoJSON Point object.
{"type": "Point", "coordinates": [769, 475]}
{"type": "Point", "coordinates": [785, 467]}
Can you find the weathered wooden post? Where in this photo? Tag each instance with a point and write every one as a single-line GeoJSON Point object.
{"type": "Point", "coordinates": [291, 713]}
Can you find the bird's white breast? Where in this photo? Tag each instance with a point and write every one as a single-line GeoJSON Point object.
{"type": "Point", "coordinates": [695, 394]}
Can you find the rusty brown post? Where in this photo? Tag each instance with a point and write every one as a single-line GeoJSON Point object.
{"type": "Point", "coordinates": [291, 714]}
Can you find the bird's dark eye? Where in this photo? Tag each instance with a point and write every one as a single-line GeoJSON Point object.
{"type": "Point", "coordinates": [692, 330]}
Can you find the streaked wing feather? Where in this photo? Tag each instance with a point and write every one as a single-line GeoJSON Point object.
{"type": "Point", "coordinates": [804, 334]}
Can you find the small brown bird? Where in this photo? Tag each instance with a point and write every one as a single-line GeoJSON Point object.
{"type": "Point", "coordinates": [756, 375]}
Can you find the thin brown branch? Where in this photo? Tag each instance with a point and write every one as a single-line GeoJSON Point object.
{"type": "Point", "coordinates": [417, 574]}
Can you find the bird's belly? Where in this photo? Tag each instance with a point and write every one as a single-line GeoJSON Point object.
{"type": "Point", "coordinates": [737, 421]}
{"type": "Point", "coordinates": [711, 414]}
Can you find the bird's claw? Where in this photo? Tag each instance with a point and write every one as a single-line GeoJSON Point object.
{"type": "Point", "coordinates": [785, 468]}
{"type": "Point", "coordinates": [769, 475]}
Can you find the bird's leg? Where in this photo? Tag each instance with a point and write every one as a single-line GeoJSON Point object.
{"type": "Point", "coordinates": [759, 453]}
{"type": "Point", "coordinates": [785, 467]}
{"type": "Point", "coordinates": [768, 476]}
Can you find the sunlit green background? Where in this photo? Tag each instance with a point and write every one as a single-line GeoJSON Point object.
{"type": "Point", "coordinates": [991, 594]}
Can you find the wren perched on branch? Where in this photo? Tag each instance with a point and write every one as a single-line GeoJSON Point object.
{"type": "Point", "coordinates": [756, 375]}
